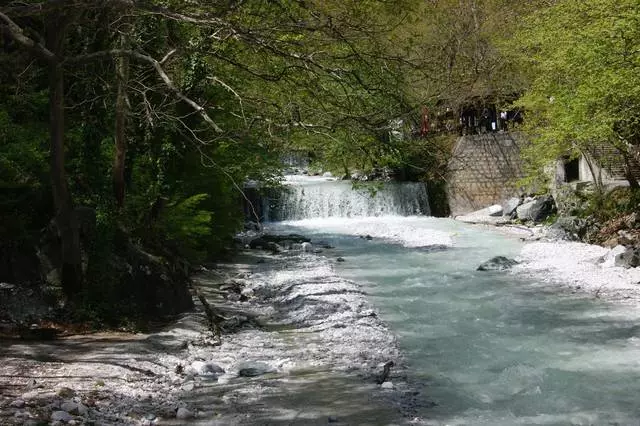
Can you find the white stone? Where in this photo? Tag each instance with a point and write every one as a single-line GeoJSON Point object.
{"type": "Point", "coordinates": [306, 247]}
{"type": "Point", "coordinates": [387, 385]}
{"type": "Point", "coordinates": [609, 259]}
{"type": "Point", "coordinates": [495, 210]}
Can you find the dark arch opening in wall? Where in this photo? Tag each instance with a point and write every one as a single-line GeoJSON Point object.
{"type": "Point", "coordinates": [571, 170]}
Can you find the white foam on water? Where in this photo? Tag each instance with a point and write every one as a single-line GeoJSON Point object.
{"type": "Point", "coordinates": [410, 231]}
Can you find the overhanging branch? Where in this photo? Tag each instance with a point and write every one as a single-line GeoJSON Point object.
{"type": "Point", "coordinates": [168, 82]}
{"type": "Point", "coordinates": [18, 35]}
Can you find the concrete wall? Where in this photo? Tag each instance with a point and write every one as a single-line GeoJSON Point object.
{"type": "Point", "coordinates": [483, 171]}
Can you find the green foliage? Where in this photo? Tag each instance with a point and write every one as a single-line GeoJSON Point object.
{"type": "Point", "coordinates": [582, 59]}
{"type": "Point", "coordinates": [185, 222]}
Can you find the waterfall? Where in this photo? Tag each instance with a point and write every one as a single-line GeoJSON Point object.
{"type": "Point", "coordinates": [307, 197]}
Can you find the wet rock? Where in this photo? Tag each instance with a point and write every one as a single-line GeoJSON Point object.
{"type": "Point", "coordinates": [630, 258]}
{"type": "Point", "coordinates": [18, 403]}
{"type": "Point", "coordinates": [385, 372]}
{"type": "Point", "coordinates": [61, 416]}
{"type": "Point", "coordinates": [332, 419]}
{"type": "Point", "coordinates": [264, 244]}
{"type": "Point", "coordinates": [183, 414]}
{"type": "Point", "coordinates": [340, 259]}
{"type": "Point", "coordinates": [66, 392]}
{"type": "Point", "coordinates": [537, 209]}
{"type": "Point", "coordinates": [233, 297]}
{"type": "Point", "coordinates": [76, 408]}
{"type": "Point", "coordinates": [295, 238]}
{"type": "Point", "coordinates": [498, 263]}
{"type": "Point", "coordinates": [247, 293]}
{"type": "Point", "coordinates": [203, 368]}
{"type": "Point", "coordinates": [253, 369]}
{"type": "Point", "coordinates": [252, 226]}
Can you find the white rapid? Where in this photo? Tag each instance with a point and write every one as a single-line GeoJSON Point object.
{"type": "Point", "coordinates": [489, 348]}
{"type": "Point", "coordinates": [315, 197]}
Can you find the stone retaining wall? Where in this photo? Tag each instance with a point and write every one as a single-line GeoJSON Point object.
{"type": "Point", "coordinates": [483, 171]}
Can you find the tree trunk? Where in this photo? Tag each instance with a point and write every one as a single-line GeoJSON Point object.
{"type": "Point", "coordinates": [122, 75]}
{"type": "Point", "coordinates": [66, 220]}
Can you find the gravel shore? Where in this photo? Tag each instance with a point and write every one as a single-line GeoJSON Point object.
{"type": "Point", "coordinates": [299, 345]}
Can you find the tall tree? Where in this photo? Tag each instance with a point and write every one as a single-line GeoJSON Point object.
{"type": "Point", "coordinates": [583, 59]}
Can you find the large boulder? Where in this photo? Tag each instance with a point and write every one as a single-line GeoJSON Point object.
{"type": "Point", "coordinates": [509, 206]}
{"type": "Point", "coordinates": [568, 228]}
{"type": "Point", "coordinates": [498, 263]}
{"type": "Point", "coordinates": [537, 209]}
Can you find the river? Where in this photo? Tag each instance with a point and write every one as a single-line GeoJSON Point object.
{"type": "Point", "coordinates": [489, 348]}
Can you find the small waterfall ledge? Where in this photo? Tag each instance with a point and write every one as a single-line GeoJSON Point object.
{"type": "Point", "coordinates": [307, 197]}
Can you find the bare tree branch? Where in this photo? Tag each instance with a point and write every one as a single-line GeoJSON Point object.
{"type": "Point", "coordinates": [159, 70]}
{"type": "Point", "coordinates": [18, 35]}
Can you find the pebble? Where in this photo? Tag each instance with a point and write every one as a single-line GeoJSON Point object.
{"type": "Point", "coordinates": [61, 416]}
{"type": "Point", "coordinates": [183, 414]}
{"type": "Point", "coordinates": [69, 407]}
{"type": "Point", "coordinates": [18, 403]}
{"type": "Point", "coordinates": [387, 385]}
{"type": "Point", "coordinates": [332, 419]}
{"type": "Point", "coordinates": [66, 392]}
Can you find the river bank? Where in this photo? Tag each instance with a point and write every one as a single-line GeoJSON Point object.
{"type": "Point", "coordinates": [299, 345]}
{"type": "Point", "coordinates": [302, 344]}
{"type": "Point", "coordinates": [570, 265]}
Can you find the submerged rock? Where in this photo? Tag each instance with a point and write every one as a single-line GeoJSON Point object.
{"type": "Point", "coordinates": [253, 369]}
{"type": "Point", "coordinates": [498, 263]}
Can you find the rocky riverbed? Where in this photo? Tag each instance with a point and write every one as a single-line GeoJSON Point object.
{"type": "Point", "coordinates": [284, 341]}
